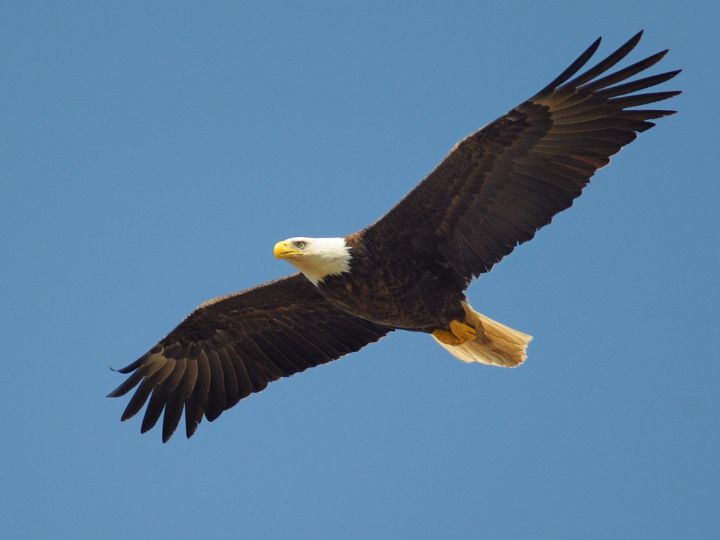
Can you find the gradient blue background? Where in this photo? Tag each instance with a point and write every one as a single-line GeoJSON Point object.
{"type": "Point", "coordinates": [152, 154]}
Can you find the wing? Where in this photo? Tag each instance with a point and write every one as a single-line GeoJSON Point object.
{"type": "Point", "coordinates": [235, 345]}
{"type": "Point", "coordinates": [504, 182]}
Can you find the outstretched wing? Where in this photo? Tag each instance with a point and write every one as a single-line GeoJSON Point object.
{"type": "Point", "coordinates": [235, 345]}
{"type": "Point", "coordinates": [504, 182]}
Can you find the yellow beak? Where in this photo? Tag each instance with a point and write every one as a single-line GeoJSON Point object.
{"type": "Point", "coordinates": [284, 250]}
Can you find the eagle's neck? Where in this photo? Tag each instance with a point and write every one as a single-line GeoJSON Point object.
{"type": "Point", "coordinates": [326, 257]}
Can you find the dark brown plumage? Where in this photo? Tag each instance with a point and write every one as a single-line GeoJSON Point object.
{"type": "Point", "coordinates": [502, 183]}
{"type": "Point", "coordinates": [409, 270]}
{"type": "Point", "coordinates": [234, 346]}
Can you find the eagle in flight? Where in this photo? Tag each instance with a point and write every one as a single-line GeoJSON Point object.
{"type": "Point", "coordinates": [408, 270]}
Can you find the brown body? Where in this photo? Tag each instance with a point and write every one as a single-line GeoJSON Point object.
{"type": "Point", "coordinates": [396, 289]}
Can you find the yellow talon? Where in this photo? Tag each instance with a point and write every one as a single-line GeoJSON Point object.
{"type": "Point", "coordinates": [458, 334]}
{"type": "Point", "coordinates": [447, 337]}
{"type": "Point", "coordinates": [463, 331]}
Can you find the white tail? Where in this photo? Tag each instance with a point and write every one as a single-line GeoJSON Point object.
{"type": "Point", "coordinates": [496, 344]}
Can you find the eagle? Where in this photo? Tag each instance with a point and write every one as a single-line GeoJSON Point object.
{"type": "Point", "coordinates": [410, 269]}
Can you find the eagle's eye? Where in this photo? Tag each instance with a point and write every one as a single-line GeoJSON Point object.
{"type": "Point", "coordinates": [300, 244]}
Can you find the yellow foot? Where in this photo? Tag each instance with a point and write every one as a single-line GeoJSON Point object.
{"type": "Point", "coordinates": [458, 334]}
{"type": "Point", "coordinates": [447, 337]}
{"type": "Point", "coordinates": [463, 331]}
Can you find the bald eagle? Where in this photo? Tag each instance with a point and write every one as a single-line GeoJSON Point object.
{"type": "Point", "coordinates": [409, 270]}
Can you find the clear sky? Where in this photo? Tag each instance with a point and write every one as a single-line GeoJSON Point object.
{"type": "Point", "coordinates": [152, 154]}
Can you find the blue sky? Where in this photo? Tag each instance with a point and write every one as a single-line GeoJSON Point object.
{"type": "Point", "coordinates": [153, 153]}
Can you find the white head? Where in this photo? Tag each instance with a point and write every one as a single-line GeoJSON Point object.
{"type": "Point", "coordinates": [317, 258]}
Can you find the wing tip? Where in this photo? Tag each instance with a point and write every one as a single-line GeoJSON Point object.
{"type": "Point", "coordinates": [638, 35]}
{"type": "Point", "coordinates": [620, 53]}
{"type": "Point", "coordinates": [190, 428]}
{"type": "Point", "coordinates": [573, 68]}
{"type": "Point", "coordinates": [631, 43]}
{"type": "Point", "coordinates": [130, 367]}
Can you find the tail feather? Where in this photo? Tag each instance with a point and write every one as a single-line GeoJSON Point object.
{"type": "Point", "coordinates": [496, 344]}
